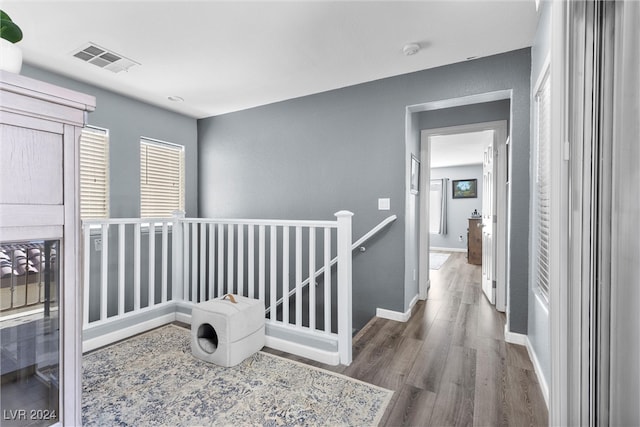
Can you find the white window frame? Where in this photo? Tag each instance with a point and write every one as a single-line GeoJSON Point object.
{"type": "Point", "coordinates": [94, 173]}
{"type": "Point", "coordinates": [157, 199]}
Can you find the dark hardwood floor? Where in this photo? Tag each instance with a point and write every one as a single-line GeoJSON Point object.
{"type": "Point", "coordinates": [449, 364]}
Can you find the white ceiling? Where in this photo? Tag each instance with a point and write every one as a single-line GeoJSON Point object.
{"type": "Point", "coordinates": [459, 149]}
{"type": "Point", "coordinates": [227, 56]}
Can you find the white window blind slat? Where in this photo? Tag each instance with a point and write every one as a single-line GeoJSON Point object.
{"type": "Point", "coordinates": [161, 179]}
{"type": "Point", "coordinates": [94, 173]}
{"type": "Point", "coordinates": [542, 187]}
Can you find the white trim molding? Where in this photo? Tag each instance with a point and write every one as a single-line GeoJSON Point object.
{"type": "Point", "coordinates": [124, 333]}
{"type": "Point", "coordinates": [397, 315]}
{"type": "Point", "coordinates": [322, 356]}
{"type": "Point", "coordinates": [542, 380]}
{"type": "Point", "coordinates": [514, 337]}
{"type": "Point", "coordinates": [436, 248]}
{"type": "Point", "coordinates": [521, 339]}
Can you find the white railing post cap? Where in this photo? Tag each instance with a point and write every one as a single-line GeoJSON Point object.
{"type": "Point", "coordinates": [342, 214]}
{"type": "Point", "coordinates": [178, 214]}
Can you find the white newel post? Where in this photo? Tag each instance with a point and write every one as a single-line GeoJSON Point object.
{"type": "Point", "coordinates": [177, 257]}
{"type": "Point", "coordinates": [345, 309]}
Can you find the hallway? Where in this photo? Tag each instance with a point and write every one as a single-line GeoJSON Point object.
{"type": "Point", "coordinates": [449, 364]}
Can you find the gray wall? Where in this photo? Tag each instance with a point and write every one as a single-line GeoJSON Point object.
{"type": "Point", "coordinates": [312, 156]}
{"type": "Point", "coordinates": [538, 324]}
{"type": "Point", "coordinates": [458, 210]}
{"type": "Point", "coordinates": [466, 115]}
{"type": "Point", "coordinates": [127, 120]}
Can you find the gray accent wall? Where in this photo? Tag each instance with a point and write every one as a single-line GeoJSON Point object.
{"type": "Point", "coordinates": [538, 326]}
{"type": "Point", "coordinates": [309, 157]}
{"type": "Point", "coordinates": [466, 115]}
{"type": "Point", "coordinates": [458, 210]}
{"type": "Point", "coordinates": [127, 120]}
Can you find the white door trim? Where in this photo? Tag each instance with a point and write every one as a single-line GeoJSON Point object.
{"type": "Point", "coordinates": [412, 139]}
{"type": "Point", "coordinates": [500, 136]}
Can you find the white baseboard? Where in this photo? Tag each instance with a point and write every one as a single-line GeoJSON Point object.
{"type": "Point", "coordinates": [106, 339]}
{"type": "Point", "coordinates": [437, 248]}
{"type": "Point", "coordinates": [514, 338]}
{"type": "Point", "coordinates": [521, 339]}
{"type": "Point", "coordinates": [183, 317]}
{"type": "Point", "coordinates": [425, 293]}
{"type": "Point", "coordinates": [538, 370]}
{"type": "Point", "coordinates": [413, 302]}
{"type": "Point", "coordinates": [397, 315]}
{"type": "Point", "coordinates": [322, 356]}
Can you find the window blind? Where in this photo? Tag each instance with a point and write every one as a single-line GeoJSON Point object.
{"type": "Point", "coordinates": [161, 179]}
{"type": "Point", "coordinates": [542, 189]}
{"type": "Point", "coordinates": [94, 173]}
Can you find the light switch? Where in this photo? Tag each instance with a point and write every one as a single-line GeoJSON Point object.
{"type": "Point", "coordinates": [384, 204]}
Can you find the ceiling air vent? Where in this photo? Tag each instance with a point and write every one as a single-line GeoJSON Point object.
{"type": "Point", "coordinates": [103, 58]}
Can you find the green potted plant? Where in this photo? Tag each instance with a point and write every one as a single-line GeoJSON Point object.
{"type": "Point", "coordinates": [10, 54]}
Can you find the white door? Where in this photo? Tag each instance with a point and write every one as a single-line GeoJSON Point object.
{"type": "Point", "coordinates": [500, 232]}
{"type": "Point", "coordinates": [487, 225]}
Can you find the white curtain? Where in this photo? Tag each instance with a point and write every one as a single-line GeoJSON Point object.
{"type": "Point", "coordinates": [438, 206]}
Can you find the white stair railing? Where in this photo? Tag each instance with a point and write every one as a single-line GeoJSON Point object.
{"type": "Point", "coordinates": [128, 256]}
{"type": "Point", "coordinates": [358, 243]}
{"type": "Point", "coordinates": [264, 259]}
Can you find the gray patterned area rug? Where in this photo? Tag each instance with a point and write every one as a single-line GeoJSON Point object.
{"type": "Point", "coordinates": [152, 379]}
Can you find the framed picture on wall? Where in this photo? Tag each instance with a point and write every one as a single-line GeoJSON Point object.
{"type": "Point", "coordinates": [465, 188]}
{"type": "Point", "coordinates": [415, 174]}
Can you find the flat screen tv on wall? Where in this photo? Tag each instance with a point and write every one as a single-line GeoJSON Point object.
{"type": "Point", "coordinates": [465, 188]}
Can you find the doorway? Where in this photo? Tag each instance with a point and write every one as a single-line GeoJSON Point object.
{"type": "Point", "coordinates": [479, 152]}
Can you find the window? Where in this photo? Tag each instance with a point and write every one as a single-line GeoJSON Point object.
{"type": "Point", "coordinates": [542, 189]}
{"type": "Point", "coordinates": [94, 173]}
{"type": "Point", "coordinates": [161, 178]}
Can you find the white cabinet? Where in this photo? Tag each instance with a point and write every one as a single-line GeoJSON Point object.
{"type": "Point", "coordinates": [39, 201]}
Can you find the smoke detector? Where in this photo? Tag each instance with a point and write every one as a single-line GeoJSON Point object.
{"type": "Point", "coordinates": [411, 49]}
{"type": "Point", "coordinates": [103, 58]}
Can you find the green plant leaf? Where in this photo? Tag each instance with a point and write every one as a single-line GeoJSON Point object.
{"type": "Point", "coordinates": [8, 29]}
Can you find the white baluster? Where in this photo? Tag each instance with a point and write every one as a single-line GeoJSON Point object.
{"type": "Point", "coordinates": [194, 262]}
{"type": "Point", "coordinates": [241, 288]}
{"type": "Point", "coordinates": [165, 260]}
{"type": "Point", "coordinates": [261, 263]}
{"type": "Point", "coordinates": [104, 270]}
{"type": "Point", "coordinates": [186, 233]}
{"type": "Point", "coordinates": [285, 276]}
{"type": "Point", "coordinates": [177, 259]}
{"type": "Point", "coordinates": [136, 266]}
{"type": "Point", "coordinates": [230, 244]}
{"type": "Point", "coordinates": [203, 260]}
{"type": "Point", "coordinates": [327, 280]}
{"type": "Point", "coordinates": [298, 276]}
{"type": "Point", "coordinates": [212, 257]}
{"type": "Point", "coordinates": [251, 260]}
{"type": "Point", "coordinates": [220, 260]}
{"type": "Point", "coordinates": [312, 278]}
{"type": "Point", "coordinates": [152, 265]}
{"type": "Point", "coordinates": [273, 281]}
{"type": "Point", "coordinates": [121, 264]}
